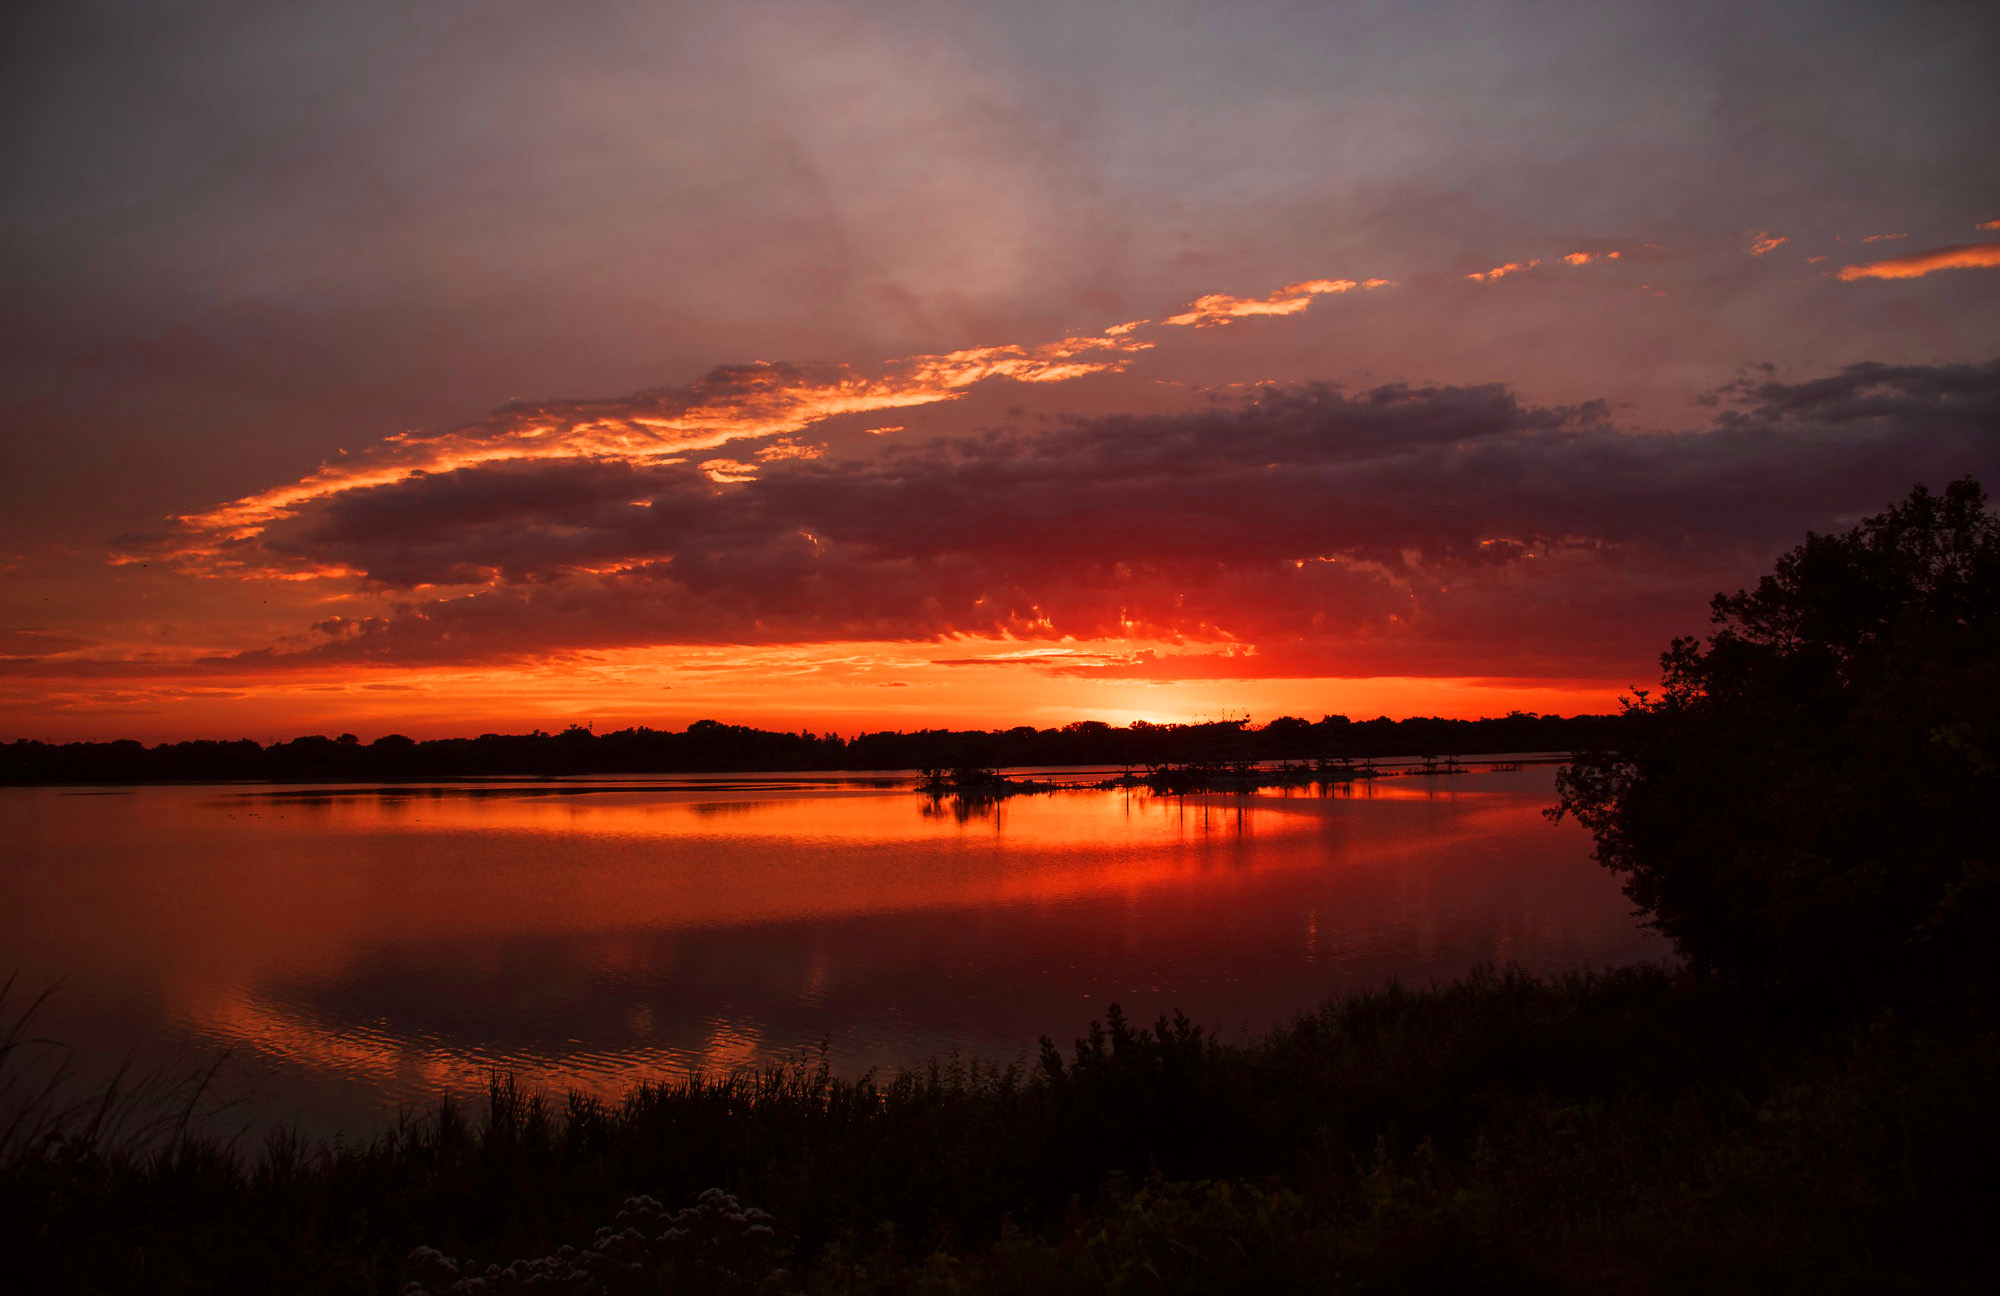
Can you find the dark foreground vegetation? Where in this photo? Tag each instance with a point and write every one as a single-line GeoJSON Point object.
{"type": "Point", "coordinates": [1805, 1104]}
{"type": "Point", "coordinates": [1635, 1131]}
{"type": "Point", "coordinates": [1813, 799]}
{"type": "Point", "coordinates": [707, 746]}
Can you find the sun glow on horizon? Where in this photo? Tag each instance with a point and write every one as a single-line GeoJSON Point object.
{"type": "Point", "coordinates": [843, 688]}
{"type": "Point", "coordinates": [340, 665]}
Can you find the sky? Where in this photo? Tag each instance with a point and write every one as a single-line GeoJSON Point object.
{"type": "Point", "coordinates": [449, 367]}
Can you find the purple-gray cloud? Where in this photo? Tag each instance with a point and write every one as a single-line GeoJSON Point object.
{"type": "Point", "coordinates": [1447, 530]}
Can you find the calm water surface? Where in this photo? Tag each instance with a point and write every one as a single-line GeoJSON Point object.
{"type": "Point", "coordinates": [357, 949]}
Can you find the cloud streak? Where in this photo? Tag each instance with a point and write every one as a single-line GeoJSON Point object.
{"type": "Point", "coordinates": [1502, 271]}
{"type": "Point", "coordinates": [1217, 309]}
{"type": "Point", "coordinates": [1959, 256]}
{"type": "Point", "coordinates": [730, 404]}
{"type": "Point", "coordinates": [735, 403]}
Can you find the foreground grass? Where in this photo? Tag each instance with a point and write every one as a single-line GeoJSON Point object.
{"type": "Point", "coordinates": [1629, 1131]}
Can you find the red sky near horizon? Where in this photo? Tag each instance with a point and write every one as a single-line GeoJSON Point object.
{"type": "Point", "coordinates": [988, 364]}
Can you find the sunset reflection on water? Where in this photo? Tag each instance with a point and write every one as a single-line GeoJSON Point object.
{"type": "Point", "coordinates": [362, 948]}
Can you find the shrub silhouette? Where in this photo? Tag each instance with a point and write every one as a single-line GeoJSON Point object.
{"type": "Point", "coordinates": [1810, 800]}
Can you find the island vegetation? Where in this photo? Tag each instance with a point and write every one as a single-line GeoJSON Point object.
{"type": "Point", "coordinates": [1803, 1102]}
{"type": "Point", "coordinates": [970, 785]}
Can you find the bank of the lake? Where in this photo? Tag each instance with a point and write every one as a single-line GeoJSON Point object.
{"type": "Point", "coordinates": [709, 746]}
{"type": "Point", "coordinates": [1630, 1131]}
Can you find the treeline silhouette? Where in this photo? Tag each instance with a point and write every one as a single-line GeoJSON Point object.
{"type": "Point", "coordinates": [1810, 800]}
{"type": "Point", "coordinates": [709, 746]}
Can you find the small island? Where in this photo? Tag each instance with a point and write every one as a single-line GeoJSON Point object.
{"type": "Point", "coordinates": [972, 782]}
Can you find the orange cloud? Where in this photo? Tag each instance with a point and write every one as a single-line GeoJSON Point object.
{"type": "Point", "coordinates": [729, 470]}
{"type": "Point", "coordinates": [1502, 271]}
{"type": "Point", "coordinates": [1992, 224]}
{"type": "Point", "coordinates": [1960, 256]}
{"type": "Point", "coordinates": [1883, 238]}
{"type": "Point", "coordinates": [1220, 308]}
{"type": "Point", "coordinates": [1268, 540]}
{"type": "Point", "coordinates": [1766, 242]}
{"type": "Point", "coordinates": [729, 404]}
{"type": "Point", "coordinates": [667, 426]}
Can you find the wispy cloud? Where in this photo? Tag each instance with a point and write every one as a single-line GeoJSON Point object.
{"type": "Point", "coordinates": [1220, 308]}
{"type": "Point", "coordinates": [1959, 256]}
{"type": "Point", "coordinates": [1765, 242]}
{"type": "Point", "coordinates": [728, 405]}
{"type": "Point", "coordinates": [1046, 658]}
{"type": "Point", "coordinates": [1502, 271]}
{"type": "Point", "coordinates": [25, 645]}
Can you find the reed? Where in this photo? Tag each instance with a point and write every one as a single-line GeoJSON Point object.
{"type": "Point", "coordinates": [1631, 1129]}
{"type": "Point", "coordinates": [133, 1113]}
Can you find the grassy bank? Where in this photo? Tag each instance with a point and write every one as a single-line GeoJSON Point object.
{"type": "Point", "coordinates": [1626, 1131]}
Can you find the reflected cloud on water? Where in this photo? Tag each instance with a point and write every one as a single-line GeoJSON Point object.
{"type": "Point", "coordinates": [375, 947]}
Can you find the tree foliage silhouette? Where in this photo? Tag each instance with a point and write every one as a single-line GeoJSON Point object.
{"type": "Point", "coordinates": [1811, 798]}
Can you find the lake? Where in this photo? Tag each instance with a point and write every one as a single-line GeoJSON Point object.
{"type": "Point", "coordinates": [359, 949]}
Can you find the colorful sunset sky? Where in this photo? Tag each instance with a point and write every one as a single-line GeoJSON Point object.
{"type": "Point", "coordinates": [459, 366]}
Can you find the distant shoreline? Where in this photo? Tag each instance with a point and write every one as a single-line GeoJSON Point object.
{"type": "Point", "coordinates": [710, 747]}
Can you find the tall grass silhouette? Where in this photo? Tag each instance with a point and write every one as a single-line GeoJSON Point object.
{"type": "Point", "coordinates": [1630, 1130]}
{"type": "Point", "coordinates": [45, 1104]}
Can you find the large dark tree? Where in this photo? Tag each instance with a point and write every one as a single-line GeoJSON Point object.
{"type": "Point", "coordinates": [1811, 798]}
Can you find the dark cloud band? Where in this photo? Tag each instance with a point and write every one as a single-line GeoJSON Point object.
{"type": "Point", "coordinates": [1397, 530]}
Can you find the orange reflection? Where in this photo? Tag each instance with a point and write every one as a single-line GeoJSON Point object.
{"type": "Point", "coordinates": [244, 884]}
{"type": "Point", "coordinates": [398, 942]}
{"type": "Point", "coordinates": [691, 858]}
{"type": "Point", "coordinates": [417, 1070]}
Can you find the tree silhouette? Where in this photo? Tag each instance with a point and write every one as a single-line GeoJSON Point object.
{"type": "Point", "coordinates": [1811, 798]}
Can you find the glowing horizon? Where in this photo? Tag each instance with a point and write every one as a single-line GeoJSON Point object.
{"type": "Point", "coordinates": [1037, 372]}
